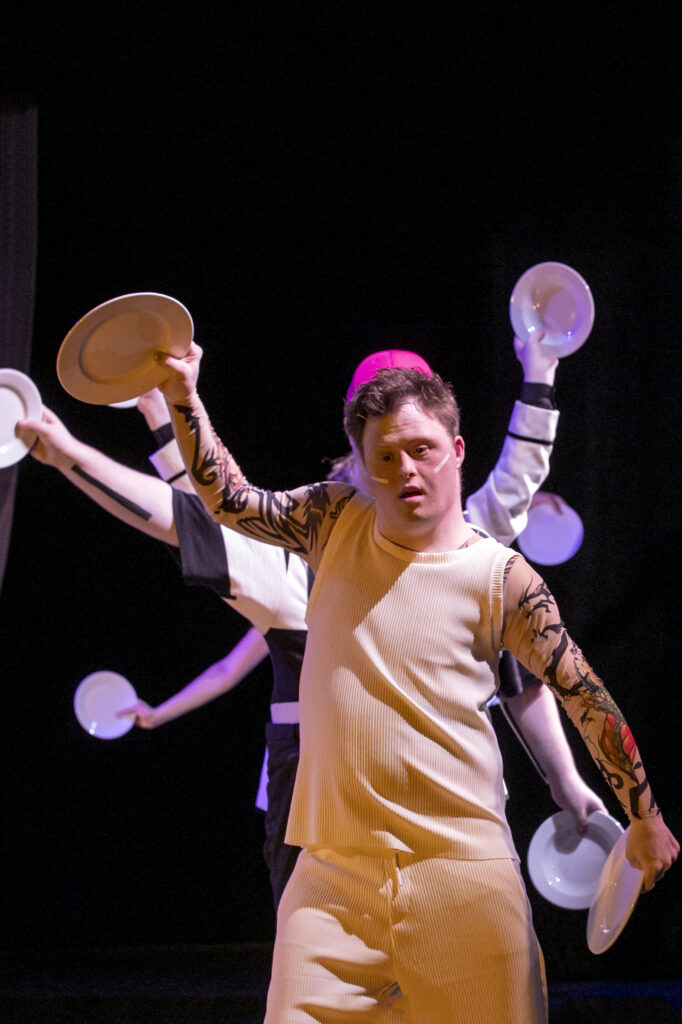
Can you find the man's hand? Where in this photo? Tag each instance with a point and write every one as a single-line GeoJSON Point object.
{"type": "Point", "coordinates": [52, 444]}
{"type": "Point", "coordinates": [651, 848]}
{"type": "Point", "coordinates": [539, 365]}
{"type": "Point", "coordinates": [181, 383]}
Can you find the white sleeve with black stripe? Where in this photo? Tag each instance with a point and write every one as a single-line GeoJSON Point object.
{"type": "Point", "coordinates": [265, 584]}
{"type": "Point", "coordinates": [501, 505]}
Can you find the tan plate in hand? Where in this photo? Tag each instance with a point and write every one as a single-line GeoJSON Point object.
{"type": "Point", "coordinates": [108, 355]}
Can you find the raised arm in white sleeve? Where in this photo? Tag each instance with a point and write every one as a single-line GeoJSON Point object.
{"type": "Point", "coordinates": [501, 505]}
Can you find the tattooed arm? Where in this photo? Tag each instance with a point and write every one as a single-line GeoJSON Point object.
{"type": "Point", "coordinates": [138, 499]}
{"type": "Point", "coordinates": [534, 633]}
{"type": "Point", "coordinates": [300, 520]}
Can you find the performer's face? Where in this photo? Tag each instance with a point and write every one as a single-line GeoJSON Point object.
{"type": "Point", "coordinates": [412, 469]}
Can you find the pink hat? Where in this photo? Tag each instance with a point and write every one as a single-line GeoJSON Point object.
{"type": "Point", "coordinates": [386, 360]}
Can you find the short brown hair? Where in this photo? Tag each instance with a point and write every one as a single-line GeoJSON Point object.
{"type": "Point", "coordinates": [392, 388]}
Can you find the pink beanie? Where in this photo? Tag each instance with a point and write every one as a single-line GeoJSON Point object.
{"type": "Point", "coordinates": [388, 359]}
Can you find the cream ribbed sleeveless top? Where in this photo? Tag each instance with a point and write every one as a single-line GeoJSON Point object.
{"type": "Point", "coordinates": [397, 748]}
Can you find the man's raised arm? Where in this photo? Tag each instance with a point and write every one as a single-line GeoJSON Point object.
{"type": "Point", "coordinates": [299, 520]}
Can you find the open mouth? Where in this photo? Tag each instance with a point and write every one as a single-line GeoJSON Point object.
{"type": "Point", "coordinates": [410, 494]}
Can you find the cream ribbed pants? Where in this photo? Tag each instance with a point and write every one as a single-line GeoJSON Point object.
{"type": "Point", "coordinates": [456, 936]}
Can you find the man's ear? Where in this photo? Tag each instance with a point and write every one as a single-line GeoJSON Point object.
{"type": "Point", "coordinates": [459, 449]}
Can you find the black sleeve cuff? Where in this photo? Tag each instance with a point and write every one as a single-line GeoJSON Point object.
{"type": "Point", "coordinates": [164, 434]}
{"type": "Point", "coordinates": [542, 395]}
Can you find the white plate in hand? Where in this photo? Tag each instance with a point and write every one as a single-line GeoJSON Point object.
{"type": "Point", "coordinates": [108, 356]}
{"type": "Point", "coordinates": [618, 890]}
{"type": "Point", "coordinates": [97, 700]}
{"type": "Point", "coordinates": [564, 866]}
{"type": "Point", "coordinates": [19, 400]}
{"type": "Point", "coordinates": [554, 298]}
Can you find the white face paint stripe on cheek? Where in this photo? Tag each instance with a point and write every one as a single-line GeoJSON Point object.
{"type": "Point", "coordinates": [379, 479]}
{"type": "Point", "coordinates": [442, 462]}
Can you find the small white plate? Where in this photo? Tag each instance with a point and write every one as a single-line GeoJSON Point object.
{"type": "Point", "coordinates": [555, 298]}
{"type": "Point", "coordinates": [618, 890]}
{"type": "Point", "coordinates": [129, 403]}
{"type": "Point", "coordinates": [565, 866]}
{"type": "Point", "coordinates": [19, 400]}
{"type": "Point", "coordinates": [97, 699]}
{"type": "Point", "coordinates": [553, 533]}
{"type": "Point", "coordinates": [108, 355]}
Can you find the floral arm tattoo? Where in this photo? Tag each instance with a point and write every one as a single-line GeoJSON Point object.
{"type": "Point", "coordinates": [536, 635]}
{"type": "Point", "coordinates": [299, 521]}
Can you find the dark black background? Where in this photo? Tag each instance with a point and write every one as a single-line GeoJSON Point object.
{"type": "Point", "coordinates": [315, 181]}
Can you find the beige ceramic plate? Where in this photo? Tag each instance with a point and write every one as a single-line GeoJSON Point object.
{"type": "Point", "coordinates": [108, 355]}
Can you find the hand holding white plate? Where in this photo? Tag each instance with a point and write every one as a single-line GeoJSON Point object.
{"type": "Point", "coordinates": [108, 356]}
{"type": "Point", "coordinates": [97, 700]}
{"type": "Point", "coordinates": [19, 400]}
{"type": "Point", "coordinates": [617, 892]}
{"type": "Point", "coordinates": [564, 866]}
{"type": "Point", "coordinates": [555, 298]}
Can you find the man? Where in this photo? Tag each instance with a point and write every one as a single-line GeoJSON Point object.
{"type": "Point", "coordinates": [398, 802]}
{"type": "Point", "coordinates": [499, 507]}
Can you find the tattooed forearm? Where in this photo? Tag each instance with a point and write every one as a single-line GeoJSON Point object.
{"type": "Point", "coordinates": [215, 464]}
{"type": "Point", "coordinates": [275, 517]}
{"type": "Point", "coordinates": [124, 502]}
{"type": "Point", "coordinates": [550, 653]}
{"type": "Point", "coordinates": [280, 517]}
{"type": "Point", "coordinates": [608, 736]}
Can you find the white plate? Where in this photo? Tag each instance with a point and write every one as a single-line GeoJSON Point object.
{"type": "Point", "coordinates": [108, 356]}
{"type": "Point", "coordinates": [97, 699]}
{"type": "Point", "coordinates": [618, 889]}
{"type": "Point", "coordinates": [555, 298]}
{"type": "Point", "coordinates": [565, 866]}
{"type": "Point", "coordinates": [19, 400]}
{"type": "Point", "coordinates": [129, 403]}
{"type": "Point", "coordinates": [553, 533]}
